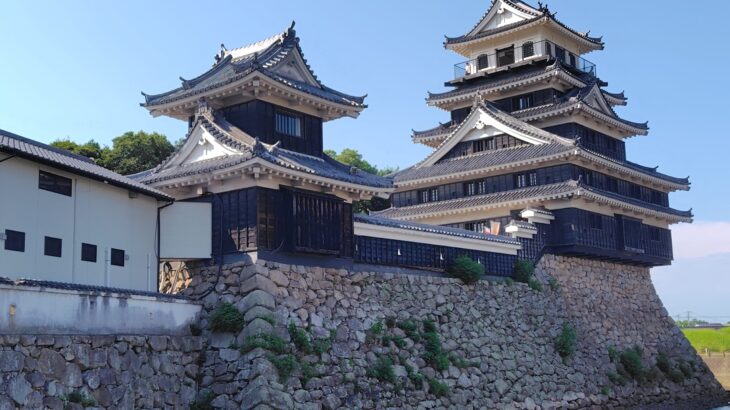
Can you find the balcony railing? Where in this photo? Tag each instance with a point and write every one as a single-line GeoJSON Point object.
{"type": "Point", "coordinates": [526, 52]}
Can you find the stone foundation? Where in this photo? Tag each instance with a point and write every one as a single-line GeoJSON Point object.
{"type": "Point", "coordinates": [497, 339]}
{"type": "Point", "coordinates": [114, 372]}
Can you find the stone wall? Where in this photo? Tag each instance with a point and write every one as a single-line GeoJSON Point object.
{"type": "Point", "coordinates": [370, 342]}
{"type": "Point", "coordinates": [115, 372]}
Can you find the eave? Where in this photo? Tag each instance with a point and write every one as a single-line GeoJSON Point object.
{"type": "Point", "coordinates": [257, 168]}
{"type": "Point", "coordinates": [576, 156]}
{"type": "Point", "coordinates": [252, 85]}
{"type": "Point", "coordinates": [461, 44]}
{"type": "Point", "coordinates": [626, 128]}
{"type": "Point", "coordinates": [566, 191]}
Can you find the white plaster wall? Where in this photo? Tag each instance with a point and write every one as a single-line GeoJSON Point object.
{"type": "Point", "coordinates": [31, 310]}
{"type": "Point", "coordinates": [96, 213]}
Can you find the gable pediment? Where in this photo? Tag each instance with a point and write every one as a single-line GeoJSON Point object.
{"type": "Point", "coordinates": [200, 145]}
{"type": "Point", "coordinates": [294, 67]}
{"type": "Point", "coordinates": [501, 14]}
{"type": "Point", "coordinates": [477, 125]}
{"type": "Point", "coordinates": [596, 100]}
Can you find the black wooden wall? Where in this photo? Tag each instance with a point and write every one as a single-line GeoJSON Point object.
{"type": "Point", "coordinates": [592, 139]}
{"type": "Point", "coordinates": [543, 176]}
{"type": "Point", "coordinates": [257, 118]}
{"type": "Point", "coordinates": [390, 252]}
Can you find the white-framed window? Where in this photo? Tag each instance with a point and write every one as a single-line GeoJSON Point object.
{"type": "Point", "coordinates": [521, 180]}
{"type": "Point", "coordinates": [434, 193]}
{"type": "Point", "coordinates": [533, 178]}
{"type": "Point", "coordinates": [471, 188]}
{"type": "Point", "coordinates": [288, 124]}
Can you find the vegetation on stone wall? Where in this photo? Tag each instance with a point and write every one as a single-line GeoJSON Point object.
{"type": "Point", "coordinates": [630, 367]}
{"type": "Point", "coordinates": [524, 270]}
{"type": "Point", "coordinates": [226, 318]}
{"type": "Point", "coordinates": [465, 269]}
{"type": "Point", "coordinates": [565, 342]}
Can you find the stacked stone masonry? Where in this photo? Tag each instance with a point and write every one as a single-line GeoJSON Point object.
{"type": "Point", "coordinates": [111, 372]}
{"type": "Point", "coordinates": [498, 337]}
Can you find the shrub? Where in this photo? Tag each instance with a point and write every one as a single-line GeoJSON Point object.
{"type": "Point", "coordinates": [300, 338]}
{"type": "Point", "coordinates": [459, 362]}
{"type": "Point", "coordinates": [535, 284]}
{"type": "Point", "coordinates": [509, 281]}
{"type": "Point", "coordinates": [605, 391]}
{"type": "Point", "coordinates": [524, 269]}
{"type": "Point", "coordinates": [616, 379]}
{"type": "Point", "coordinates": [676, 376]}
{"type": "Point", "coordinates": [80, 398]}
{"type": "Point", "coordinates": [204, 401]}
{"type": "Point", "coordinates": [285, 365]}
{"type": "Point", "coordinates": [686, 369]}
{"type": "Point", "coordinates": [631, 361]}
{"type": "Point", "coordinates": [226, 318]}
{"type": "Point", "coordinates": [411, 328]}
{"type": "Point", "coordinates": [308, 372]}
{"type": "Point", "coordinates": [390, 322]}
{"type": "Point", "coordinates": [377, 327]}
{"type": "Point", "coordinates": [434, 354]}
{"type": "Point", "coordinates": [383, 370]}
{"type": "Point", "coordinates": [466, 269]}
{"type": "Point", "coordinates": [662, 362]}
{"type": "Point", "coordinates": [397, 340]}
{"type": "Point", "coordinates": [321, 346]}
{"type": "Point", "coordinates": [415, 377]}
{"type": "Point", "coordinates": [554, 285]}
{"type": "Point", "coordinates": [438, 388]}
{"type": "Point", "coordinates": [271, 343]}
{"type": "Point", "coordinates": [565, 342]}
{"type": "Point", "coordinates": [612, 354]}
{"type": "Point", "coordinates": [429, 326]}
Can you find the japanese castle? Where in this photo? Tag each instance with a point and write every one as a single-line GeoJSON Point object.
{"type": "Point", "coordinates": [532, 160]}
{"type": "Point", "coordinates": [535, 149]}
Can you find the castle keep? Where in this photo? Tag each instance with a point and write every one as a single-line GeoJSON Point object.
{"type": "Point", "coordinates": [535, 148]}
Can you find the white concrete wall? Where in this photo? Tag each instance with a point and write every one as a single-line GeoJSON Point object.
{"type": "Point", "coordinates": [34, 310]}
{"type": "Point", "coordinates": [96, 213]}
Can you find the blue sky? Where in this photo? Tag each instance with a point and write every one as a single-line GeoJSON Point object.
{"type": "Point", "coordinates": [76, 70]}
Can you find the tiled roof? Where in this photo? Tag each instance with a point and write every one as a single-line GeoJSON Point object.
{"type": "Point", "coordinates": [249, 148]}
{"type": "Point", "coordinates": [544, 15]}
{"type": "Point", "coordinates": [236, 64]}
{"type": "Point", "coordinates": [571, 98]}
{"type": "Point", "coordinates": [86, 288]}
{"type": "Point", "coordinates": [440, 129]}
{"type": "Point", "coordinates": [441, 230]}
{"type": "Point", "coordinates": [537, 72]}
{"type": "Point", "coordinates": [524, 194]}
{"type": "Point", "coordinates": [486, 159]}
{"type": "Point", "coordinates": [639, 168]}
{"type": "Point", "coordinates": [35, 151]}
{"type": "Point", "coordinates": [522, 224]}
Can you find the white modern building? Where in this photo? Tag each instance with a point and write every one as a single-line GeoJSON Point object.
{"type": "Point", "coordinates": [65, 219]}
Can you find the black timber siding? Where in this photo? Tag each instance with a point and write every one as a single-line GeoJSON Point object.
{"type": "Point", "coordinates": [592, 139]}
{"type": "Point", "coordinates": [280, 220]}
{"type": "Point", "coordinates": [544, 176]}
{"type": "Point", "coordinates": [257, 118]}
{"type": "Point", "coordinates": [621, 238]}
{"type": "Point", "coordinates": [379, 251]}
{"type": "Point", "coordinates": [484, 144]}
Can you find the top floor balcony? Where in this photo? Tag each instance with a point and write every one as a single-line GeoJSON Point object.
{"type": "Point", "coordinates": [528, 51]}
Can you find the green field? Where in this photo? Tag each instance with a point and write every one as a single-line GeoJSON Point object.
{"type": "Point", "coordinates": [715, 340]}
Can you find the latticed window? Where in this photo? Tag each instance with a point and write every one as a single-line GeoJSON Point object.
{"type": "Point", "coordinates": [434, 193]}
{"type": "Point", "coordinates": [521, 180]}
{"type": "Point", "coordinates": [471, 188]}
{"type": "Point", "coordinates": [528, 49]}
{"type": "Point", "coordinates": [424, 196]}
{"type": "Point", "coordinates": [482, 62]}
{"type": "Point", "coordinates": [505, 56]}
{"type": "Point", "coordinates": [288, 124]}
{"type": "Point", "coordinates": [533, 178]}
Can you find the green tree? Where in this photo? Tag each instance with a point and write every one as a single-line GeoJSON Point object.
{"type": "Point", "coordinates": [134, 152]}
{"type": "Point", "coordinates": [353, 158]}
{"type": "Point", "coordinates": [91, 149]}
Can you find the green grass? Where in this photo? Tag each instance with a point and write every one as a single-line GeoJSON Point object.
{"type": "Point", "coordinates": [714, 340]}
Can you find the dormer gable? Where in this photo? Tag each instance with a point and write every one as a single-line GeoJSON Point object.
{"type": "Point", "coordinates": [484, 121]}
{"type": "Point", "coordinates": [503, 13]}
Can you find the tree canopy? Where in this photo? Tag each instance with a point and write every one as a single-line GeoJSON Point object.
{"type": "Point", "coordinates": [130, 152]}
{"type": "Point", "coordinates": [353, 158]}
